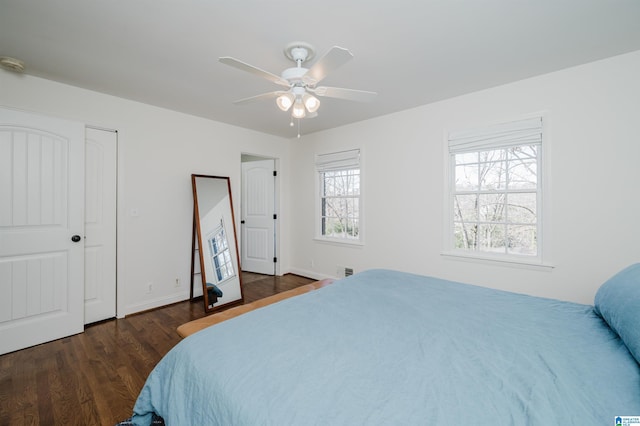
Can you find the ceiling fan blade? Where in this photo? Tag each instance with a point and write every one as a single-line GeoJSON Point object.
{"type": "Point", "coordinates": [270, 95]}
{"type": "Point", "coordinates": [346, 94]}
{"type": "Point", "coordinates": [331, 60]}
{"type": "Point", "coordinates": [233, 62]}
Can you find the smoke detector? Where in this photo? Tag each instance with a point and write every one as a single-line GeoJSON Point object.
{"type": "Point", "coordinates": [11, 64]}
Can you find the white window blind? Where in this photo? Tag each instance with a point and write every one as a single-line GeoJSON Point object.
{"type": "Point", "coordinates": [343, 160]}
{"type": "Point", "coordinates": [506, 135]}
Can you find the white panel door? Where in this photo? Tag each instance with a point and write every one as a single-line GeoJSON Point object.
{"type": "Point", "coordinates": [41, 229]}
{"type": "Point", "coordinates": [100, 226]}
{"type": "Point", "coordinates": [258, 223]}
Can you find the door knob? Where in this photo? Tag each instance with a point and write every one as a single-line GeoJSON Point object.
{"type": "Point", "coordinates": [76, 238]}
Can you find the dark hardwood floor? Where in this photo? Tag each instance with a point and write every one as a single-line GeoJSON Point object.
{"type": "Point", "coordinates": [94, 378]}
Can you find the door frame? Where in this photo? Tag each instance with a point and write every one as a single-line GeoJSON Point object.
{"type": "Point", "coordinates": [247, 157]}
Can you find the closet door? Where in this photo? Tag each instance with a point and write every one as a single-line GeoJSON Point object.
{"type": "Point", "coordinates": [100, 225]}
{"type": "Point", "coordinates": [41, 229]}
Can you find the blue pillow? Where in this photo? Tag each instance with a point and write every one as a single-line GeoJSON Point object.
{"type": "Point", "coordinates": [618, 302]}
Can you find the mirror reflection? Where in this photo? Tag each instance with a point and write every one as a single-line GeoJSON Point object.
{"type": "Point", "coordinates": [216, 241]}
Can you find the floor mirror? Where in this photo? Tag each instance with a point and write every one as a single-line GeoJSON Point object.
{"type": "Point", "coordinates": [214, 242]}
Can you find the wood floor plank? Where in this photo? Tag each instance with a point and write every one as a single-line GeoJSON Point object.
{"type": "Point", "coordinates": [94, 378]}
{"type": "Point", "coordinates": [45, 404]}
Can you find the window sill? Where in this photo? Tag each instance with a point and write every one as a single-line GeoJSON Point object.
{"type": "Point", "coordinates": [339, 242]}
{"type": "Point", "coordinates": [506, 261]}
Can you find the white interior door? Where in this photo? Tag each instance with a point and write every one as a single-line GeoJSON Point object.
{"type": "Point", "coordinates": [41, 229]}
{"type": "Point", "coordinates": [100, 225]}
{"type": "Point", "coordinates": [258, 222]}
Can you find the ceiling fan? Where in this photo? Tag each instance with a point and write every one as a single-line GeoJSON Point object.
{"type": "Point", "coordinates": [302, 83]}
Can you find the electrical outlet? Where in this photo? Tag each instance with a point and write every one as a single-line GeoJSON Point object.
{"type": "Point", "coordinates": [149, 288]}
{"type": "Point", "coordinates": [178, 282]}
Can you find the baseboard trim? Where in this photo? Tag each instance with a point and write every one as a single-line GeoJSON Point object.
{"type": "Point", "coordinates": [155, 303]}
{"type": "Point", "coordinates": [310, 274]}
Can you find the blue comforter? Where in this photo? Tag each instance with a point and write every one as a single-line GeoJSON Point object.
{"type": "Point", "coordinates": [390, 348]}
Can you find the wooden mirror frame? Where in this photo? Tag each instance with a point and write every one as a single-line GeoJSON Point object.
{"type": "Point", "coordinates": [231, 294]}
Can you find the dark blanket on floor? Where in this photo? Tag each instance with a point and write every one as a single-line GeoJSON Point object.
{"type": "Point", "coordinates": [155, 421]}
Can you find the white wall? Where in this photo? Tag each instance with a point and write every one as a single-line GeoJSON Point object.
{"type": "Point", "coordinates": [593, 115]}
{"type": "Point", "coordinates": [594, 145]}
{"type": "Point", "coordinates": [158, 150]}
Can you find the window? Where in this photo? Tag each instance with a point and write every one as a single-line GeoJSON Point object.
{"type": "Point", "coordinates": [339, 196]}
{"type": "Point", "coordinates": [220, 254]}
{"type": "Point", "coordinates": [495, 195]}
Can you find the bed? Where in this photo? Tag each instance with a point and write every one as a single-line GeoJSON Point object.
{"type": "Point", "coordinates": [385, 347]}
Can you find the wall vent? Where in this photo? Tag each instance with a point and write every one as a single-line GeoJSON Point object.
{"type": "Point", "coordinates": [343, 271]}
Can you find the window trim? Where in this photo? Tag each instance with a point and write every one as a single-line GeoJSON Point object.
{"type": "Point", "coordinates": [543, 196]}
{"type": "Point", "coordinates": [347, 159]}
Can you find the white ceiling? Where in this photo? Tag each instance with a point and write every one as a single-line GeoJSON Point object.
{"type": "Point", "coordinates": [412, 52]}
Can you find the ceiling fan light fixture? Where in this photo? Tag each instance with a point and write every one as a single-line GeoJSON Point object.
{"type": "Point", "coordinates": [298, 110]}
{"type": "Point", "coordinates": [301, 93]}
{"type": "Point", "coordinates": [311, 103]}
{"type": "Point", "coordinates": [285, 101]}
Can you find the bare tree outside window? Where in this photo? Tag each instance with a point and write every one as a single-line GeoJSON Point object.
{"type": "Point", "coordinates": [340, 203]}
{"type": "Point", "coordinates": [495, 200]}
